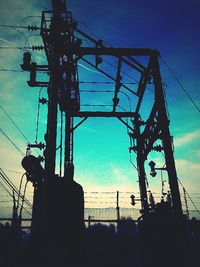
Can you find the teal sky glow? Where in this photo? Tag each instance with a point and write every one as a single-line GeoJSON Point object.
{"type": "Point", "coordinates": [102, 160]}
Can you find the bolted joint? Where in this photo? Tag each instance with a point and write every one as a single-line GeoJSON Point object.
{"type": "Point", "coordinates": [133, 135]}
{"type": "Point", "coordinates": [115, 101]}
{"type": "Point", "coordinates": [158, 148]}
{"type": "Point", "coordinates": [133, 148]}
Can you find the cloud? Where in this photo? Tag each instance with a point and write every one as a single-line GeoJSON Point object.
{"type": "Point", "coordinates": [188, 173]}
{"type": "Point", "coordinates": [187, 138]}
{"type": "Point", "coordinates": [186, 165]}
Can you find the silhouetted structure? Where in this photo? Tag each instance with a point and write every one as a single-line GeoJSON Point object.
{"type": "Point", "coordinates": [62, 241]}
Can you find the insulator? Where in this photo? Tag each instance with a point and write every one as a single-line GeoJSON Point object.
{"type": "Point", "coordinates": [98, 60]}
{"type": "Point", "coordinates": [43, 100]}
{"type": "Point", "coordinates": [132, 200]}
{"type": "Point", "coordinates": [26, 61]}
{"type": "Point", "coordinates": [40, 145]}
{"type": "Point", "coordinates": [38, 47]}
{"type": "Point", "coordinates": [33, 28]}
{"type": "Point", "coordinates": [152, 165]}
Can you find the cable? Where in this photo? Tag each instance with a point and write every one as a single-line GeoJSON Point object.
{"type": "Point", "coordinates": [185, 91]}
{"type": "Point", "coordinates": [121, 71]}
{"type": "Point", "coordinates": [38, 116]}
{"type": "Point", "coordinates": [9, 117]}
{"type": "Point", "coordinates": [15, 47]}
{"type": "Point", "coordinates": [10, 70]}
{"type": "Point", "coordinates": [189, 197]}
{"type": "Point", "coordinates": [108, 91]}
{"type": "Point", "coordinates": [8, 138]}
{"type": "Point", "coordinates": [89, 29]}
{"type": "Point", "coordinates": [20, 186]}
{"type": "Point", "coordinates": [11, 170]}
{"type": "Point", "coordinates": [12, 196]}
{"type": "Point", "coordinates": [12, 186]}
{"type": "Point", "coordinates": [13, 26]}
{"type": "Point", "coordinates": [22, 20]}
{"type": "Point", "coordinates": [92, 82]}
{"type": "Point", "coordinates": [14, 123]}
{"type": "Point", "coordinates": [23, 198]}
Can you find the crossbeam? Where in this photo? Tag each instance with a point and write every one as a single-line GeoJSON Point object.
{"type": "Point", "coordinates": [104, 114]}
{"type": "Point", "coordinates": [81, 51]}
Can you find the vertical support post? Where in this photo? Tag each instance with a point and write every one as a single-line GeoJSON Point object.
{"type": "Point", "coordinates": [165, 136]}
{"type": "Point", "coordinates": [68, 169]}
{"type": "Point", "coordinates": [141, 170]}
{"type": "Point", "coordinates": [89, 221]}
{"type": "Point", "coordinates": [50, 152]}
{"type": "Point", "coordinates": [186, 204]}
{"type": "Point", "coordinates": [117, 207]}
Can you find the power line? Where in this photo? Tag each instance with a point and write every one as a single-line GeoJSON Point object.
{"type": "Point", "coordinates": [8, 116]}
{"type": "Point", "coordinates": [12, 196]}
{"type": "Point", "coordinates": [13, 26]}
{"type": "Point", "coordinates": [189, 197]}
{"type": "Point", "coordinates": [94, 82]}
{"type": "Point", "coordinates": [9, 170]}
{"type": "Point", "coordinates": [9, 139]}
{"type": "Point", "coordinates": [185, 91]}
{"type": "Point", "coordinates": [10, 70]}
{"type": "Point", "coordinates": [15, 47]}
{"type": "Point", "coordinates": [12, 186]}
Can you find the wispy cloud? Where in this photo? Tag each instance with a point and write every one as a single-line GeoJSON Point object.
{"type": "Point", "coordinates": [187, 138]}
{"type": "Point", "coordinates": [186, 165]}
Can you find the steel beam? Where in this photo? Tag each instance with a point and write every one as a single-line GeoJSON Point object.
{"type": "Point", "coordinates": [101, 114]}
{"type": "Point", "coordinates": [166, 138]}
{"type": "Point", "coordinates": [119, 52]}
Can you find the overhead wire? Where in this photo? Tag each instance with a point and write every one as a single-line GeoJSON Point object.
{"type": "Point", "coordinates": [38, 116]}
{"type": "Point", "coordinates": [12, 186]}
{"type": "Point", "coordinates": [182, 87]}
{"type": "Point", "coordinates": [13, 26]}
{"type": "Point", "coordinates": [15, 47]}
{"type": "Point", "coordinates": [12, 142]}
{"type": "Point", "coordinates": [10, 70]}
{"type": "Point", "coordinates": [15, 125]}
{"type": "Point", "coordinates": [189, 197]}
{"type": "Point", "coordinates": [13, 122]}
{"type": "Point", "coordinates": [10, 194]}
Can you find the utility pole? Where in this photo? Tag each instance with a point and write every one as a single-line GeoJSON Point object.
{"type": "Point", "coordinates": [61, 195]}
{"type": "Point", "coordinates": [53, 194]}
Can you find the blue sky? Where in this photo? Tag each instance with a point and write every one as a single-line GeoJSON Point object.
{"type": "Point", "coordinates": [101, 145]}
